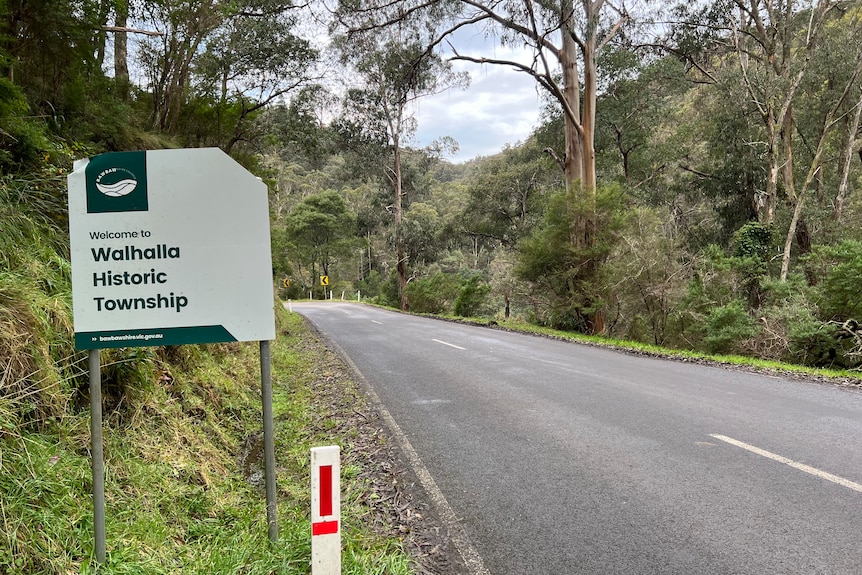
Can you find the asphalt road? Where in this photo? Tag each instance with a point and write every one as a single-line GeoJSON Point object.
{"type": "Point", "coordinates": [560, 458]}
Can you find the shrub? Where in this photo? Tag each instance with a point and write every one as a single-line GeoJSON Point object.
{"type": "Point", "coordinates": [471, 297]}
{"type": "Point", "coordinates": [727, 326]}
{"type": "Point", "coordinates": [840, 267]}
{"type": "Point", "coordinates": [433, 294]}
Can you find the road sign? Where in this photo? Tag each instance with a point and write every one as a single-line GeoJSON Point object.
{"type": "Point", "coordinates": [325, 510]}
{"type": "Point", "coordinates": [169, 247]}
{"type": "Point", "coordinates": [285, 282]}
{"type": "Point", "coordinates": [324, 280]}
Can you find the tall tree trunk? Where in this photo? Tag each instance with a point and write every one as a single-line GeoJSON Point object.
{"type": "Point", "coordinates": [588, 122]}
{"type": "Point", "coordinates": [401, 263]}
{"type": "Point", "coordinates": [101, 37]}
{"type": "Point", "coordinates": [573, 160]}
{"type": "Point", "coordinates": [121, 50]}
{"type": "Point", "coordinates": [851, 143]}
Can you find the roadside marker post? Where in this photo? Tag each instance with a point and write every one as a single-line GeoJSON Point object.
{"type": "Point", "coordinates": [326, 510]}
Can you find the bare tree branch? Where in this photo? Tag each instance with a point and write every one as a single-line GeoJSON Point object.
{"type": "Point", "coordinates": [132, 30]}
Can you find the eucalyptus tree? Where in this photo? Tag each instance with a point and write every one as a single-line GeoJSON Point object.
{"type": "Point", "coordinates": [321, 230]}
{"type": "Point", "coordinates": [841, 96]}
{"type": "Point", "coordinates": [167, 60]}
{"type": "Point", "coordinates": [802, 97]}
{"type": "Point", "coordinates": [773, 57]}
{"type": "Point", "coordinates": [252, 60]}
{"type": "Point", "coordinates": [241, 55]}
{"type": "Point", "coordinates": [394, 68]}
{"type": "Point", "coordinates": [565, 37]}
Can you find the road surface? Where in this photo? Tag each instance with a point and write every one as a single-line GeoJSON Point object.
{"type": "Point", "coordinates": [560, 458]}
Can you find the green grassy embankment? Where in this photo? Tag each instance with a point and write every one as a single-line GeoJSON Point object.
{"type": "Point", "coordinates": [182, 456]}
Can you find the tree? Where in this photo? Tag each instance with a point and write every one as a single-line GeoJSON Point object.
{"type": "Point", "coordinates": [396, 68]}
{"type": "Point", "coordinates": [582, 28]}
{"type": "Point", "coordinates": [167, 59]}
{"type": "Point", "coordinates": [638, 121]}
{"type": "Point", "coordinates": [46, 46]}
{"type": "Point", "coordinates": [322, 230]}
{"type": "Point", "coordinates": [506, 195]}
{"type": "Point", "coordinates": [420, 231]}
{"type": "Point", "coordinates": [775, 46]}
{"type": "Point", "coordinates": [252, 60]}
{"type": "Point", "coordinates": [564, 273]}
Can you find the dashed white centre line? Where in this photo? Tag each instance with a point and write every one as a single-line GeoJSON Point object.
{"type": "Point", "coordinates": [795, 464]}
{"type": "Point", "coordinates": [449, 344]}
{"type": "Point", "coordinates": [377, 322]}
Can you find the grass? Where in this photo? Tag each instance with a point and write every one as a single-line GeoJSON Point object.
{"type": "Point", "coordinates": [842, 376]}
{"type": "Point", "coordinates": [649, 349]}
{"type": "Point", "coordinates": [179, 427]}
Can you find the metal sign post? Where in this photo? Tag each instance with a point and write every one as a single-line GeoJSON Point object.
{"type": "Point", "coordinates": [98, 456]}
{"type": "Point", "coordinates": [268, 440]}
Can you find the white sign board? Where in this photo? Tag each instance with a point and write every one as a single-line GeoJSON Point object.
{"type": "Point", "coordinates": [169, 247]}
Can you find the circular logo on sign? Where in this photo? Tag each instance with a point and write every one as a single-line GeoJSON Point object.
{"type": "Point", "coordinates": [116, 182]}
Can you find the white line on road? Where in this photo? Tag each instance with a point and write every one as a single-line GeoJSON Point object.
{"type": "Point", "coordinates": [795, 464]}
{"type": "Point", "coordinates": [449, 344]}
{"type": "Point", "coordinates": [377, 322]}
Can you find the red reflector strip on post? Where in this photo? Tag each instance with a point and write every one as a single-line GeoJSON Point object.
{"type": "Point", "coordinates": [324, 528]}
{"type": "Point", "coordinates": [325, 490]}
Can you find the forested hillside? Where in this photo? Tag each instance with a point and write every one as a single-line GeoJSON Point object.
{"type": "Point", "coordinates": [694, 182]}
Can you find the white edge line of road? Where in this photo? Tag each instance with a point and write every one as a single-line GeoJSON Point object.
{"type": "Point", "coordinates": [795, 464]}
{"type": "Point", "coordinates": [459, 536]}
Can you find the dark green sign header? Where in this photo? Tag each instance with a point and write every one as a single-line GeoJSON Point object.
{"type": "Point", "coordinates": [117, 182]}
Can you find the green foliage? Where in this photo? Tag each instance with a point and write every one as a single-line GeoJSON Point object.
{"type": "Point", "coordinates": [570, 271]}
{"type": "Point", "coordinates": [638, 133]}
{"type": "Point", "coordinates": [321, 229]}
{"type": "Point", "coordinates": [753, 245]}
{"type": "Point", "coordinates": [814, 343]}
{"type": "Point", "coordinates": [433, 294]}
{"type": "Point", "coordinates": [21, 139]}
{"type": "Point", "coordinates": [756, 241]}
{"type": "Point", "coordinates": [727, 326]}
{"type": "Point", "coordinates": [507, 194]}
{"type": "Point", "coordinates": [840, 268]}
{"type": "Point", "coordinates": [648, 272]}
{"type": "Point", "coordinates": [420, 230]}
{"type": "Point", "coordinates": [471, 297]}
{"type": "Point", "coordinates": [371, 285]}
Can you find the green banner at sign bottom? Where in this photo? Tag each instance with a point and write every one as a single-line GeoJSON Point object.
{"type": "Point", "coordinates": [152, 337]}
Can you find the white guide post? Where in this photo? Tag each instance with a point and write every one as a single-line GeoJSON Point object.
{"type": "Point", "coordinates": [326, 510]}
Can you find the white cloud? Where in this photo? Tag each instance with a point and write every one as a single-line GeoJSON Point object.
{"type": "Point", "coordinates": [500, 107]}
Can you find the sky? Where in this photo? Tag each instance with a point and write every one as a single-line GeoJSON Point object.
{"type": "Point", "coordinates": [501, 106]}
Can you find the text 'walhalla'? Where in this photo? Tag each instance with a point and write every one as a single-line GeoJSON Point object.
{"type": "Point", "coordinates": [127, 253]}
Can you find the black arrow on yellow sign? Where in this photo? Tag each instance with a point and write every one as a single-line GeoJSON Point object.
{"type": "Point", "coordinates": [324, 280]}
